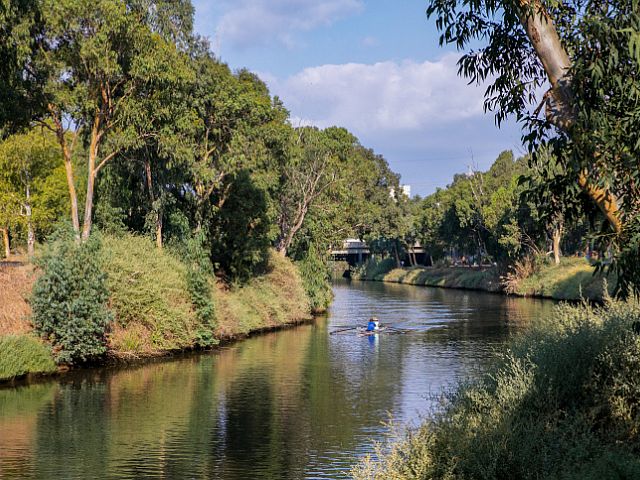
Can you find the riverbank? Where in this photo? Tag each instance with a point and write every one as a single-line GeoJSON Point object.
{"type": "Point", "coordinates": [154, 313]}
{"type": "Point", "coordinates": [572, 280]}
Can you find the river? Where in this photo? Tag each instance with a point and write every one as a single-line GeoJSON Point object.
{"type": "Point", "coordinates": [295, 404]}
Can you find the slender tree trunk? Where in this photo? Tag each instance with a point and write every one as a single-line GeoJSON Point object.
{"type": "Point", "coordinates": [31, 238]}
{"type": "Point", "coordinates": [545, 40]}
{"type": "Point", "coordinates": [91, 177]}
{"type": "Point", "coordinates": [68, 166]}
{"type": "Point", "coordinates": [397, 255]}
{"type": "Point", "coordinates": [147, 169]}
{"type": "Point", "coordinates": [5, 241]}
{"type": "Point", "coordinates": [286, 238]}
{"type": "Point", "coordinates": [557, 237]}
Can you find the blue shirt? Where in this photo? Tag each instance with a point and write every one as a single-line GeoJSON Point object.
{"type": "Point", "coordinates": [371, 326]}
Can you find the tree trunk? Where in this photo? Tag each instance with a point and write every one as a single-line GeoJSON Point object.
{"type": "Point", "coordinates": [31, 238]}
{"type": "Point", "coordinates": [557, 237]}
{"type": "Point", "coordinates": [68, 166]}
{"type": "Point", "coordinates": [397, 255]}
{"type": "Point", "coordinates": [286, 238]}
{"type": "Point", "coordinates": [555, 60]}
{"type": "Point", "coordinates": [147, 169]}
{"type": "Point", "coordinates": [91, 178]}
{"type": "Point", "coordinates": [5, 241]}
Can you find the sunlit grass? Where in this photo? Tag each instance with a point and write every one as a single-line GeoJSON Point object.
{"type": "Point", "coordinates": [23, 354]}
{"type": "Point", "coordinates": [574, 278]}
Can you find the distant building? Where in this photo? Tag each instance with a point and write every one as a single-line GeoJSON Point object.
{"type": "Point", "coordinates": [404, 190]}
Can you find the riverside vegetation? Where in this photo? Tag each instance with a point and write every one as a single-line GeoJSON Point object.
{"type": "Point", "coordinates": [155, 199]}
{"type": "Point", "coordinates": [526, 418]}
{"type": "Point", "coordinates": [167, 202]}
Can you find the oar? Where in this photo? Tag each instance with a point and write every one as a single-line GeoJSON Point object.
{"type": "Point", "coordinates": [399, 330]}
{"type": "Point", "coordinates": [343, 330]}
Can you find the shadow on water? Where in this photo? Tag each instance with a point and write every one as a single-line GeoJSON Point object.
{"type": "Point", "coordinates": [298, 403]}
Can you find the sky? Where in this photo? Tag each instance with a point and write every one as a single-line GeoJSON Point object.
{"type": "Point", "coordinates": [371, 66]}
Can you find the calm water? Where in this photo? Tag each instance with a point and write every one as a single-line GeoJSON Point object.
{"type": "Point", "coordinates": [290, 405]}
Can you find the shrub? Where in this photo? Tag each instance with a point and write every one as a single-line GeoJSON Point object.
{"type": "Point", "coordinates": [22, 354]}
{"type": "Point", "coordinates": [69, 301]}
{"type": "Point", "coordinates": [520, 270]}
{"type": "Point", "coordinates": [374, 268]}
{"type": "Point", "coordinates": [564, 402]}
{"type": "Point", "coordinates": [316, 279]}
{"type": "Point", "coordinates": [199, 271]}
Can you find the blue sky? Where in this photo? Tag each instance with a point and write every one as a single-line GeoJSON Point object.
{"type": "Point", "coordinates": [372, 66]}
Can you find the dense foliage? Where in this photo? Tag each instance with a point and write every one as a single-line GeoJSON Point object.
{"type": "Point", "coordinates": [587, 53]}
{"type": "Point", "coordinates": [70, 300]}
{"type": "Point", "coordinates": [134, 124]}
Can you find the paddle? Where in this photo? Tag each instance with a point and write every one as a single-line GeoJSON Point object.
{"type": "Point", "coordinates": [343, 330]}
{"type": "Point", "coordinates": [399, 330]}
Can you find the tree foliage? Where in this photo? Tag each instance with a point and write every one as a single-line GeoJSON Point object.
{"type": "Point", "coordinates": [69, 300]}
{"type": "Point", "coordinates": [588, 52]}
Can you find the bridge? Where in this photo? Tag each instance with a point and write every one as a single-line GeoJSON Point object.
{"type": "Point", "coordinates": [355, 252]}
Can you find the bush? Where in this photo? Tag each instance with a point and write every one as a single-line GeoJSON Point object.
{"type": "Point", "coordinates": [198, 273]}
{"type": "Point", "coordinates": [564, 402]}
{"type": "Point", "coordinates": [69, 300]}
{"type": "Point", "coordinates": [22, 354]}
{"type": "Point", "coordinates": [316, 279]}
{"type": "Point", "coordinates": [374, 268]}
{"type": "Point", "coordinates": [240, 231]}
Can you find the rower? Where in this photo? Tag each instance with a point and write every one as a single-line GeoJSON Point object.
{"type": "Point", "coordinates": [373, 325]}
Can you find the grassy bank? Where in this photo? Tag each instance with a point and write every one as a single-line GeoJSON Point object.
{"type": "Point", "coordinates": [562, 403]}
{"type": "Point", "coordinates": [153, 306]}
{"type": "Point", "coordinates": [24, 354]}
{"type": "Point", "coordinates": [573, 279]}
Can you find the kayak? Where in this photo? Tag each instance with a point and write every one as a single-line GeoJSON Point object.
{"type": "Point", "coordinates": [363, 332]}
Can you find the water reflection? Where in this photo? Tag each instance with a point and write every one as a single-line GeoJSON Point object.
{"type": "Point", "coordinates": [295, 404]}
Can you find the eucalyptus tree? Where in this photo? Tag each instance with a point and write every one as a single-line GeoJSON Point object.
{"type": "Point", "coordinates": [314, 165]}
{"type": "Point", "coordinates": [101, 58]}
{"type": "Point", "coordinates": [586, 51]}
{"type": "Point", "coordinates": [231, 110]}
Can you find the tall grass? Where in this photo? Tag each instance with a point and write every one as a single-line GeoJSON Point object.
{"type": "Point", "coordinates": [155, 309]}
{"type": "Point", "coordinates": [270, 300]}
{"type": "Point", "coordinates": [563, 403]}
{"type": "Point", "coordinates": [574, 278]}
{"type": "Point", "coordinates": [23, 354]}
{"type": "Point", "coordinates": [149, 297]}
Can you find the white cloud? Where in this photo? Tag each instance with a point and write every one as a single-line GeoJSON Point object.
{"type": "Point", "coordinates": [249, 22]}
{"type": "Point", "coordinates": [382, 97]}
